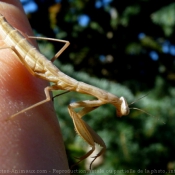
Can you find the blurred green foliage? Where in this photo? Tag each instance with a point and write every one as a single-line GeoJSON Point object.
{"type": "Point", "coordinates": [165, 18]}
{"type": "Point", "coordinates": [126, 48]}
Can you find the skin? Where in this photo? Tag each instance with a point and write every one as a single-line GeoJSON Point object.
{"type": "Point", "coordinates": [32, 140]}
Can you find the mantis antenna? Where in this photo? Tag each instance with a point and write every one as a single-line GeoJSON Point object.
{"type": "Point", "coordinates": [142, 109]}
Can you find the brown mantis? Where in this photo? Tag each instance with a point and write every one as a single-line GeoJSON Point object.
{"type": "Point", "coordinates": [39, 66]}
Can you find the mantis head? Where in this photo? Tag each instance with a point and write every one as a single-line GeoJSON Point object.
{"type": "Point", "coordinates": [122, 107]}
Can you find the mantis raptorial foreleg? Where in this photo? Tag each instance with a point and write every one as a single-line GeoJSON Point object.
{"type": "Point", "coordinates": [83, 129]}
{"type": "Point", "coordinates": [86, 132]}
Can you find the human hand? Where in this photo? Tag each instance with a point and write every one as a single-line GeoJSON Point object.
{"type": "Point", "coordinates": [32, 140]}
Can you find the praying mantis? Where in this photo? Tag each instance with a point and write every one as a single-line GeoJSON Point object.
{"type": "Point", "coordinates": [38, 65]}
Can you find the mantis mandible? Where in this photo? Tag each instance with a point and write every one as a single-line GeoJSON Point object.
{"type": "Point", "coordinates": [39, 66]}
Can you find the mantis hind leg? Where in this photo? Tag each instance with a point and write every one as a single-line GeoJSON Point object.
{"type": "Point", "coordinates": [66, 44]}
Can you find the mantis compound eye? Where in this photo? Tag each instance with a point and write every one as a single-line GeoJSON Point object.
{"type": "Point", "coordinates": [123, 108]}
